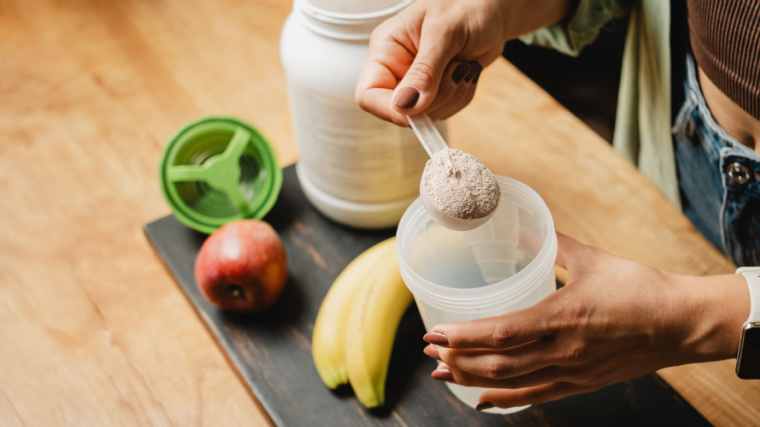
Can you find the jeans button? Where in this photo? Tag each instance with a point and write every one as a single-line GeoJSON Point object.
{"type": "Point", "coordinates": [738, 173]}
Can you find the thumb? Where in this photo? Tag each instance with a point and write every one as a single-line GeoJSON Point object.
{"type": "Point", "coordinates": [572, 255]}
{"type": "Point", "coordinates": [418, 88]}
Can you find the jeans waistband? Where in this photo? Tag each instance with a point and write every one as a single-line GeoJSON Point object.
{"type": "Point", "coordinates": [694, 95]}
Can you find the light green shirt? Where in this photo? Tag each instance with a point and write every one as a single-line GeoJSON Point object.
{"type": "Point", "coordinates": [643, 122]}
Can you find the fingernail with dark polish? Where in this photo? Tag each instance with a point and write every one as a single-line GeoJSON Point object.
{"type": "Point", "coordinates": [460, 72]}
{"type": "Point", "coordinates": [484, 405]}
{"type": "Point", "coordinates": [473, 72]}
{"type": "Point", "coordinates": [406, 97]}
{"type": "Point", "coordinates": [443, 375]}
{"type": "Point", "coordinates": [432, 351]}
{"type": "Point", "coordinates": [436, 338]}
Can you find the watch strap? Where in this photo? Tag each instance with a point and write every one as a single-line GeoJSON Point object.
{"type": "Point", "coordinates": [752, 274]}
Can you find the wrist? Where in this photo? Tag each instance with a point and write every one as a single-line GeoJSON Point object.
{"type": "Point", "coordinates": [719, 306]}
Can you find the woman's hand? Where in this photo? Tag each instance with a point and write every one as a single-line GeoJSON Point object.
{"type": "Point", "coordinates": [429, 57]}
{"type": "Point", "coordinates": [614, 320]}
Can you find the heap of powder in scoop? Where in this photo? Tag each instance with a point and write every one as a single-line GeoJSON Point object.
{"type": "Point", "coordinates": [460, 186]}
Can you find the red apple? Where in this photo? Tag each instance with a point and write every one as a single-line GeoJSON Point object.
{"type": "Point", "coordinates": [242, 266]}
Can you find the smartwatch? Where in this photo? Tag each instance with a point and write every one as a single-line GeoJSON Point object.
{"type": "Point", "coordinates": [748, 356]}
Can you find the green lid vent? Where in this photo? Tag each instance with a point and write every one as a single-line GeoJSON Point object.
{"type": "Point", "coordinates": [219, 169]}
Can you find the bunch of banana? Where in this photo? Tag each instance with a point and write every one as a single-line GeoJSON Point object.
{"type": "Point", "coordinates": [357, 322]}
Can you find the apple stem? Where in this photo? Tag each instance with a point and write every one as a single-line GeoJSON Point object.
{"type": "Point", "coordinates": [236, 291]}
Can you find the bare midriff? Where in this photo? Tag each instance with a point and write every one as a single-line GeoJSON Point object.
{"type": "Point", "coordinates": [730, 116]}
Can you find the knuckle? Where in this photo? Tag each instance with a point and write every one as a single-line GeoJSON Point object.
{"type": "Point", "coordinates": [423, 73]}
{"type": "Point", "coordinates": [451, 34]}
{"type": "Point", "coordinates": [497, 369]}
{"type": "Point", "coordinates": [501, 335]}
{"type": "Point", "coordinates": [545, 316]}
{"type": "Point", "coordinates": [380, 31]}
{"type": "Point", "coordinates": [574, 313]}
{"type": "Point", "coordinates": [576, 352]}
{"type": "Point", "coordinates": [386, 29]}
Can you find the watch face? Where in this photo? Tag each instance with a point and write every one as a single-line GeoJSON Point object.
{"type": "Point", "coordinates": [748, 360]}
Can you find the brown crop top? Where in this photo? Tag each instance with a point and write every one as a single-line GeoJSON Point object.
{"type": "Point", "coordinates": [725, 39]}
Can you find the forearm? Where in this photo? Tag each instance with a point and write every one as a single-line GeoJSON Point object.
{"type": "Point", "coordinates": [527, 16]}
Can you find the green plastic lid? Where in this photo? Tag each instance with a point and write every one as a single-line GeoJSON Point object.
{"type": "Point", "coordinates": [219, 169]}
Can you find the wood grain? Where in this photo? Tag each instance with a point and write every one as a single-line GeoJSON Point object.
{"type": "Point", "coordinates": [94, 330]}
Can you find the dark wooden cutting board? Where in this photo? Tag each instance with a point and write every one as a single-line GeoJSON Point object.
{"type": "Point", "coordinates": [272, 350]}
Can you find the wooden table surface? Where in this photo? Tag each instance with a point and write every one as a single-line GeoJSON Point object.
{"type": "Point", "coordinates": [95, 332]}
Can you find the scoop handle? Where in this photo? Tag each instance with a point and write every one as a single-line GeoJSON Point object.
{"type": "Point", "coordinates": [427, 133]}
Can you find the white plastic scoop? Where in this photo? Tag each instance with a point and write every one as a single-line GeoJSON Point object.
{"type": "Point", "coordinates": [433, 142]}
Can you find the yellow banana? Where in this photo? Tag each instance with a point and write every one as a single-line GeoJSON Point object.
{"type": "Point", "coordinates": [329, 338]}
{"type": "Point", "coordinates": [371, 329]}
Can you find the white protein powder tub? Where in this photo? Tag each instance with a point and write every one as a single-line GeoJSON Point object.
{"type": "Point", "coordinates": [355, 168]}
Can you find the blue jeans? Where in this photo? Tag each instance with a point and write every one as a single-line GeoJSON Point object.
{"type": "Point", "coordinates": [719, 179]}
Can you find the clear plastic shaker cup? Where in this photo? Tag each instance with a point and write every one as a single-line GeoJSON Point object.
{"type": "Point", "coordinates": [504, 265]}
